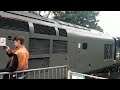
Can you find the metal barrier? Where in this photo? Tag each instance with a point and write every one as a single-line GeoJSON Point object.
{"type": "Point", "coordinates": [58, 72]}
{"type": "Point", "coordinates": [75, 75]}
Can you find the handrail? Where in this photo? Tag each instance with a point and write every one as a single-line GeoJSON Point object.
{"type": "Point", "coordinates": [91, 76]}
{"type": "Point", "coordinates": [40, 70]}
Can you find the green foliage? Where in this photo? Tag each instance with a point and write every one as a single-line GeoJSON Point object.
{"type": "Point", "coordinates": [82, 18]}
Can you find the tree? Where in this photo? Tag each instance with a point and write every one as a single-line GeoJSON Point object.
{"type": "Point", "coordinates": [35, 12]}
{"type": "Point", "coordinates": [82, 18]}
{"type": "Point", "coordinates": [49, 13]}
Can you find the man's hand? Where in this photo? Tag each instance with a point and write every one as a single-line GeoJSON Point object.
{"type": "Point", "coordinates": [6, 48]}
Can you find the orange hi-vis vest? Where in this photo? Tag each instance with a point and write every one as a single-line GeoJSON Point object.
{"type": "Point", "coordinates": [23, 57]}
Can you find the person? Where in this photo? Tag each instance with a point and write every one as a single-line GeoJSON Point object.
{"type": "Point", "coordinates": [19, 58]}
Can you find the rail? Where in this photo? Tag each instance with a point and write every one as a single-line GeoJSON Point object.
{"type": "Point", "coordinates": [75, 75]}
{"type": "Point", "coordinates": [58, 72]}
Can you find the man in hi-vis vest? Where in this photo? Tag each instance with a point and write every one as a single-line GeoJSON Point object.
{"type": "Point", "coordinates": [19, 58]}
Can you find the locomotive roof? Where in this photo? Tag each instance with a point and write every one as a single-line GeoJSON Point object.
{"type": "Point", "coordinates": [63, 24]}
{"type": "Point", "coordinates": [30, 15]}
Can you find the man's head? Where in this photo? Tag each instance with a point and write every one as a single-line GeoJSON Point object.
{"type": "Point", "coordinates": [18, 40]}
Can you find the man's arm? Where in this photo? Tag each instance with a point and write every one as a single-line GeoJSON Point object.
{"type": "Point", "coordinates": [9, 54]}
{"type": "Point", "coordinates": [7, 50]}
{"type": "Point", "coordinates": [13, 67]}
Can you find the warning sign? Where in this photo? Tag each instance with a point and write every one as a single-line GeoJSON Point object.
{"type": "Point", "coordinates": [2, 41]}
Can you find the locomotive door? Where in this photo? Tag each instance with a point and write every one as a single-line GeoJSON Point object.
{"type": "Point", "coordinates": [9, 35]}
{"type": "Point", "coordinates": [72, 49]}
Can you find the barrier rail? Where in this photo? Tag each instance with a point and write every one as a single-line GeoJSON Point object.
{"type": "Point", "coordinates": [58, 72]}
{"type": "Point", "coordinates": [75, 75]}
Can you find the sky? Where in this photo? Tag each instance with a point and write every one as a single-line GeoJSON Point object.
{"type": "Point", "coordinates": [110, 22]}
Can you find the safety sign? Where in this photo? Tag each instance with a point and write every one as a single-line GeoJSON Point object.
{"type": "Point", "coordinates": [2, 41]}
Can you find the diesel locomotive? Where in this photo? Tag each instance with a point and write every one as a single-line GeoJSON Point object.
{"type": "Point", "coordinates": [55, 43]}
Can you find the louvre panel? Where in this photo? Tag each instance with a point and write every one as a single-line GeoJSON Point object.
{"type": "Point", "coordinates": [108, 51]}
{"type": "Point", "coordinates": [38, 63]}
{"type": "Point", "coordinates": [44, 29]}
{"type": "Point", "coordinates": [59, 46]}
{"type": "Point", "coordinates": [39, 46]}
{"type": "Point", "coordinates": [12, 24]}
{"type": "Point", "coordinates": [62, 32]}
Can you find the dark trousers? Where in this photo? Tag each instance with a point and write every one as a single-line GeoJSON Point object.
{"type": "Point", "coordinates": [13, 76]}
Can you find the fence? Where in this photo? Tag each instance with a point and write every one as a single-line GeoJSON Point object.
{"type": "Point", "coordinates": [58, 72]}
{"type": "Point", "coordinates": [75, 75]}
